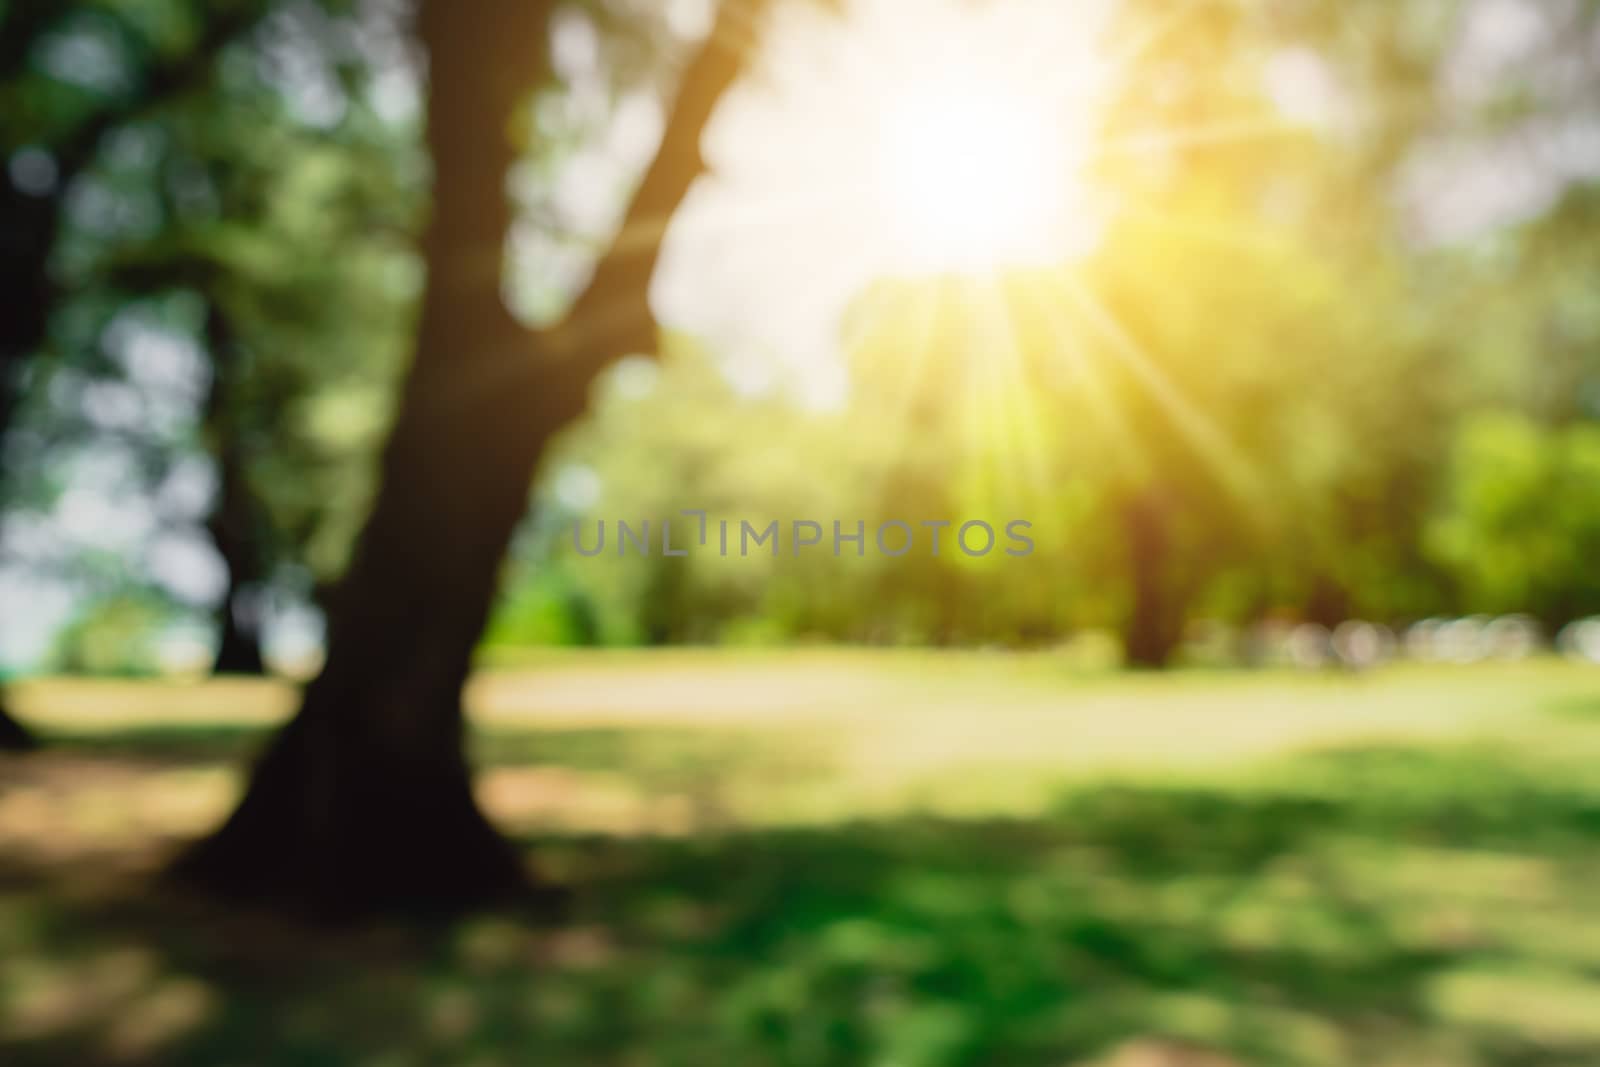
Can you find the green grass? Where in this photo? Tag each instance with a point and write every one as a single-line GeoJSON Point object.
{"type": "Point", "coordinates": [892, 860]}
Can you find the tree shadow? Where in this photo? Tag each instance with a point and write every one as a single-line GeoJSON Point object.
{"type": "Point", "coordinates": [1363, 906]}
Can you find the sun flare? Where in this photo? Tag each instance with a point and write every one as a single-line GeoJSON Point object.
{"type": "Point", "coordinates": [891, 139]}
{"type": "Point", "coordinates": [986, 117]}
{"type": "Point", "coordinates": [975, 176]}
{"type": "Point", "coordinates": [927, 198]}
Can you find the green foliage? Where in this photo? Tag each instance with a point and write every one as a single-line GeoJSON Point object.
{"type": "Point", "coordinates": [543, 611]}
{"type": "Point", "coordinates": [194, 179]}
{"type": "Point", "coordinates": [112, 636]}
{"type": "Point", "coordinates": [1521, 528]}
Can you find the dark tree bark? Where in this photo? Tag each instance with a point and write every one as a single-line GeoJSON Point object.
{"type": "Point", "coordinates": [29, 220]}
{"type": "Point", "coordinates": [239, 628]}
{"type": "Point", "coordinates": [27, 231]}
{"type": "Point", "coordinates": [1328, 603]}
{"type": "Point", "coordinates": [363, 802]}
{"type": "Point", "coordinates": [235, 524]}
{"type": "Point", "coordinates": [15, 737]}
{"type": "Point", "coordinates": [1155, 623]}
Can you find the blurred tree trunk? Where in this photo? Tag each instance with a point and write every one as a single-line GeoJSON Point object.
{"type": "Point", "coordinates": [28, 224]}
{"type": "Point", "coordinates": [27, 231]}
{"type": "Point", "coordinates": [363, 802]}
{"type": "Point", "coordinates": [1328, 603]}
{"type": "Point", "coordinates": [30, 218]}
{"type": "Point", "coordinates": [235, 524]}
{"type": "Point", "coordinates": [239, 646]}
{"type": "Point", "coordinates": [1155, 622]}
{"type": "Point", "coordinates": [14, 737]}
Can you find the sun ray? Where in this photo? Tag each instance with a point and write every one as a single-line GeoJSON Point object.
{"type": "Point", "coordinates": [920, 306]}
{"type": "Point", "coordinates": [1231, 131]}
{"type": "Point", "coordinates": [1123, 60]}
{"type": "Point", "coordinates": [1200, 230]}
{"type": "Point", "coordinates": [988, 441]}
{"type": "Point", "coordinates": [1213, 445]}
{"type": "Point", "coordinates": [1070, 348]}
{"type": "Point", "coordinates": [793, 209]}
{"type": "Point", "coordinates": [973, 401]}
{"type": "Point", "coordinates": [1023, 449]}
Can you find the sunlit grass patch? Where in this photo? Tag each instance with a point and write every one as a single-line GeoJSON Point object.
{"type": "Point", "coordinates": [1541, 1006]}
{"type": "Point", "coordinates": [931, 864]}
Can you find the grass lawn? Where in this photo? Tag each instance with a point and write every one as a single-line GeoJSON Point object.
{"type": "Point", "coordinates": [852, 858]}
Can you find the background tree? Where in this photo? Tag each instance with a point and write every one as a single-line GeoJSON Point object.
{"type": "Point", "coordinates": [71, 76]}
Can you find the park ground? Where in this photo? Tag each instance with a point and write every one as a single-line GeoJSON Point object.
{"type": "Point", "coordinates": [876, 859]}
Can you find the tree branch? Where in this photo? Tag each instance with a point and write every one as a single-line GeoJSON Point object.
{"type": "Point", "coordinates": [612, 316]}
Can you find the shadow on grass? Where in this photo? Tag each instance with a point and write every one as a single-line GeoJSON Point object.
{"type": "Point", "coordinates": [1383, 906]}
{"type": "Point", "coordinates": [165, 744]}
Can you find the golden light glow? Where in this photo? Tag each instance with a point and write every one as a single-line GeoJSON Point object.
{"type": "Point", "coordinates": [976, 175]}
{"type": "Point", "coordinates": [985, 116]}
{"type": "Point", "coordinates": [929, 172]}
{"type": "Point", "coordinates": [894, 139]}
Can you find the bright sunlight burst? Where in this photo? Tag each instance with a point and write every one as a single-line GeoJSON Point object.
{"type": "Point", "coordinates": [976, 176]}
{"type": "Point", "coordinates": [906, 190]}
{"type": "Point", "coordinates": [905, 138]}
{"type": "Point", "coordinates": [982, 141]}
